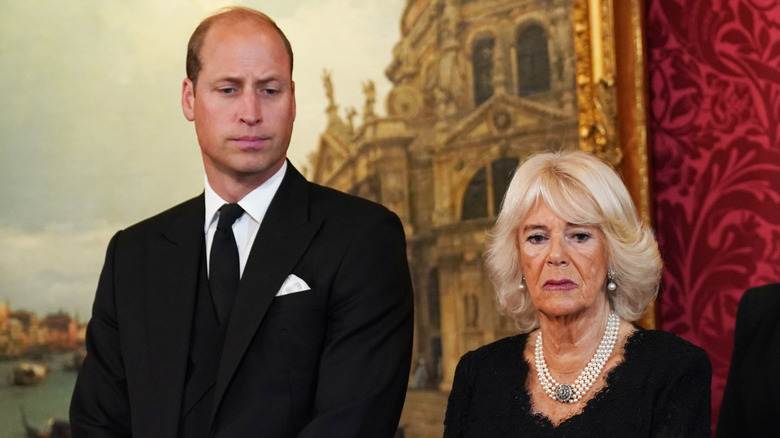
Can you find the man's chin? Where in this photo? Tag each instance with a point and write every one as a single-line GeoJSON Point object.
{"type": "Point", "coordinates": [257, 172]}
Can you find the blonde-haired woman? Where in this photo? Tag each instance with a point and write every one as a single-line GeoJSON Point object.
{"type": "Point", "coordinates": [575, 267]}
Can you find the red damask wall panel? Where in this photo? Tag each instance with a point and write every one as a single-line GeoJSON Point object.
{"type": "Point", "coordinates": [714, 78]}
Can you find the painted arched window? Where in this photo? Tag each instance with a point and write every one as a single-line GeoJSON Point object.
{"type": "Point", "coordinates": [434, 307]}
{"type": "Point", "coordinates": [486, 189]}
{"type": "Point", "coordinates": [503, 169]}
{"type": "Point", "coordinates": [533, 61]}
{"type": "Point", "coordinates": [475, 198]}
{"type": "Point", "coordinates": [482, 63]}
{"type": "Point", "coordinates": [434, 327]}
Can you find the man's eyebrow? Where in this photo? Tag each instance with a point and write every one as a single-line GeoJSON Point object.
{"type": "Point", "coordinates": [228, 79]}
{"type": "Point", "coordinates": [238, 80]}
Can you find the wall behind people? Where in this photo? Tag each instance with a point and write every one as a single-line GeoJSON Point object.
{"type": "Point", "coordinates": [93, 138]}
{"type": "Point", "coordinates": [714, 130]}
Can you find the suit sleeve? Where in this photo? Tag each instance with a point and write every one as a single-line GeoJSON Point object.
{"type": "Point", "coordinates": [732, 420]}
{"type": "Point", "coordinates": [364, 366]}
{"type": "Point", "coordinates": [100, 407]}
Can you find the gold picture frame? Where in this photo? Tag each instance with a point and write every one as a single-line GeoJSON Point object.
{"type": "Point", "coordinates": [612, 95]}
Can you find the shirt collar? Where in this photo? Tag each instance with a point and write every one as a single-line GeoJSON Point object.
{"type": "Point", "coordinates": [255, 203]}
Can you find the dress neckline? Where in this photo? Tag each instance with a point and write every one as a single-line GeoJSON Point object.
{"type": "Point", "coordinates": [592, 403]}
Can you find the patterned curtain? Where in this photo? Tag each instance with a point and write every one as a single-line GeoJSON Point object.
{"type": "Point", "coordinates": [714, 129]}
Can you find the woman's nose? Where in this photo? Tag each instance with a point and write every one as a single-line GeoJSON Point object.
{"type": "Point", "coordinates": [557, 255]}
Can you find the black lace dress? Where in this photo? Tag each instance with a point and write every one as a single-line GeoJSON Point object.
{"type": "Point", "coordinates": [661, 389]}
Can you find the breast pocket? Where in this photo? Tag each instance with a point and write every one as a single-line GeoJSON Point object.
{"type": "Point", "coordinates": [294, 301]}
{"type": "Point", "coordinates": [297, 322]}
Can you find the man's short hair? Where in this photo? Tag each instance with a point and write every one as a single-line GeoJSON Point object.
{"type": "Point", "coordinates": [234, 14]}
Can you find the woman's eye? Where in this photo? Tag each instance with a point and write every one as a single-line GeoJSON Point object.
{"type": "Point", "coordinates": [535, 238]}
{"type": "Point", "coordinates": [581, 237]}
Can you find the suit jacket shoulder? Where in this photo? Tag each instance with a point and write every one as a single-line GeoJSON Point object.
{"type": "Point", "coordinates": [191, 207]}
{"type": "Point", "coordinates": [757, 306]}
{"type": "Point", "coordinates": [333, 202]}
{"type": "Point", "coordinates": [749, 406]}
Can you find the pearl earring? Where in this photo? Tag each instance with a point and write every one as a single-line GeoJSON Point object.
{"type": "Point", "coordinates": [522, 284]}
{"type": "Point", "coordinates": [611, 285]}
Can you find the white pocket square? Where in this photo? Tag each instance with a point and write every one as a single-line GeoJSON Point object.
{"type": "Point", "coordinates": [291, 285]}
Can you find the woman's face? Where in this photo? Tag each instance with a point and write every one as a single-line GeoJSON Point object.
{"type": "Point", "coordinates": [564, 264]}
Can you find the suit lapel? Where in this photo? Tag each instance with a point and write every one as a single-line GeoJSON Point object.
{"type": "Point", "coordinates": [172, 276]}
{"type": "Point", "coordinates": [773, 370]}
{"type": "Point", "coordinates": [284, 235]}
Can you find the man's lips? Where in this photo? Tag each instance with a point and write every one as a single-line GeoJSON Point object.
{"type": "Point", "coordinates": [563, 284]}
{"type": "Point", "coordinates": [250, 141]}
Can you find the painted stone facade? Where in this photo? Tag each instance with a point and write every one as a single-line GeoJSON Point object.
{"type": "Point", "coordinates": [477, 86]}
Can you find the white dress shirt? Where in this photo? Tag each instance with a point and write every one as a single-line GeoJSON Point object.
{"type": "Point", "coordinates": [255, 205]}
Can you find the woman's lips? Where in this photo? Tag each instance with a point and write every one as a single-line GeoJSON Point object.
{"type": "Point", "coordinates": [553, 285]}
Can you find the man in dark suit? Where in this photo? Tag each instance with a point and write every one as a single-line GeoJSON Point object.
{"type": "Point", "coordinates": [751, 406]}
{"type": "Point", "coordinates": [315, 339]}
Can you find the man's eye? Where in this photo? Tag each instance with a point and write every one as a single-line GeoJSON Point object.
{"type": "Point", "coordinates": [270, 91]}
{"type": "Point", "coordinates": [227, 90]}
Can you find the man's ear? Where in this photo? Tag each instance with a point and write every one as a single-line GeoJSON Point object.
{"type": "Point", "coordinates": [188, 99]}
{"type": "Point", "coordinates": [294, 106]}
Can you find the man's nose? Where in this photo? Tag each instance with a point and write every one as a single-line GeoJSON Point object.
{"type": "Point", "coordinates": [251, 109]}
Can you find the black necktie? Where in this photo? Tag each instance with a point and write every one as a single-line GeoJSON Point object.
{"type": "Point", "coordinates": [224, 272]}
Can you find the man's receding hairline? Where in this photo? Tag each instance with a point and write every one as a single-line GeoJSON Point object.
{"type": "Point", "coordinates": [236, 15]}
{"type": "Point", "coordinates": [230, 15]}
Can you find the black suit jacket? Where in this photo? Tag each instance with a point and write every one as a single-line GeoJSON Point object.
{"type": "Point", "coordinates": [751, 401]}
{"type": "Point", "coordinates": [329, 362]}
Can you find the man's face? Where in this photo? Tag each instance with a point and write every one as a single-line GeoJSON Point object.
{"type": "Point", "coordinates": [243, 104]}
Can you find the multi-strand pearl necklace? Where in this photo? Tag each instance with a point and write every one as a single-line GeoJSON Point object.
{"type": "Point", "coordinates": [572, 393]}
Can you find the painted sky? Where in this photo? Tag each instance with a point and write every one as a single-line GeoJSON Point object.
{"type": "Point", "coordinates": [92, 137]}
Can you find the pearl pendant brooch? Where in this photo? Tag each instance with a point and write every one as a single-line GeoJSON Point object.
{"type": "Point", "coordinates": [564, 392]}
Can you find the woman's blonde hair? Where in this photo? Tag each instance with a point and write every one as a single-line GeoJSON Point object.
{"type": "Point", "coordinates": [580, 189]}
